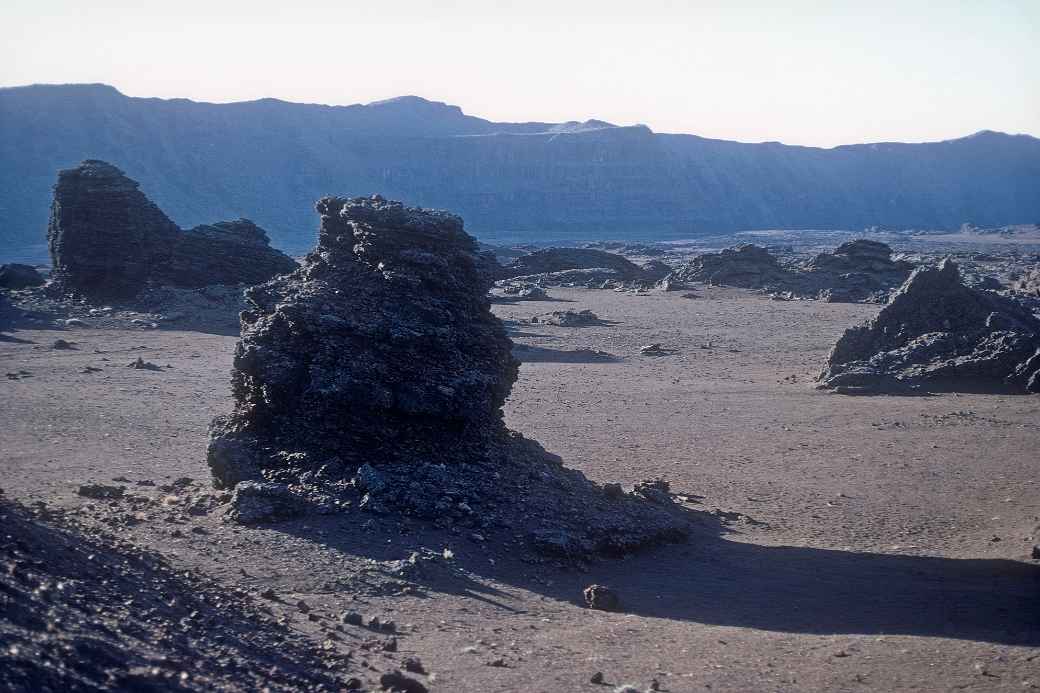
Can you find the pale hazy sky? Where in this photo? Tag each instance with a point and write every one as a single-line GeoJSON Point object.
{"type": "Point", "coordinates": [802, 72]}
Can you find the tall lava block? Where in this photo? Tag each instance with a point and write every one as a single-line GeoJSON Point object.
{"type": "Point", "coordinates": [381, 347]}
{"type": "Point", "coordinates": [107, 240]}
{"type": "Point", "coordinates": [372, 379]}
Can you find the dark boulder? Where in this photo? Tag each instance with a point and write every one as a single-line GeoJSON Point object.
{"type": "Point", "coordinates": [936, 332]}
{"type": "Point", "coordinates": [856, 271]}
{"type": "Point", "coordinates": [860, 255]}
{"type": "Point", "coordinates": [16, 276]}
{"type": "Point", "coordinates": [107, 240]}
{"type": "Point", "coordinates": [228, 252]}
{"type": "Point", "coordinates": [746, 265]}
{"type": "Point", "coordinates": [552, 260]}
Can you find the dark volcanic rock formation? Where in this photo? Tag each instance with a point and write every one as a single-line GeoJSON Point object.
{"type": "Point", "coordinates": [380, 345]}
{"type": "Point", "coordinates": [228, 252]}
{"type": "Point", "coordinates": [107, 240]}
{"type": "Point", "coordinates": [552, 260]}
{"type": "Point", "coordinates": [860, 255]}
{"type": "Point", "coordinates": [15, 276]}
{"type": "Point", "coordinates": [746, 265]}
{"type": "Point", "coordinates": [373, 377]}
{"type": "Point", "coordinates": [938, 333]}
{"type": "Point", "coordinates": [859, 270]}
{"type": "Point", "coordinates": [855, 271]}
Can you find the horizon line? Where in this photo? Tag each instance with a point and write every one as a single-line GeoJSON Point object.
{"type": "Point", "coordinates": [379, 102]}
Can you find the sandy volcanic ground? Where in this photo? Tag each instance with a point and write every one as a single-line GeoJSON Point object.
{"type": "Point", "coordinates": [871, 543]}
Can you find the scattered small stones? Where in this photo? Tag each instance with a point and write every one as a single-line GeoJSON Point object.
{"type": "Point", "coordinates": [83, 610]}
{"type": "Point", "coordinates": [601, 598]}
{"type": "Point", "coordinates": [61, 344]}
{"type": "Point", "coordinates": [413, 665]}
{"type": "Point", "coordinates": [352, 618]}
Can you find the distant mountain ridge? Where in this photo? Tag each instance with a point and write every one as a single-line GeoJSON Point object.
{"type": "Point", "coordinates": [269, 160]}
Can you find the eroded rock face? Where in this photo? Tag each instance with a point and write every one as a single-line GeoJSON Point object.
{"type": "Point", "coordinates": [107, 240]}
{"type": "Point", "coordinates": [382, 346]}
{"type": "Point", "coordinates": [938, 333]}
{"type": "Point", "coordinates": [372, 379]}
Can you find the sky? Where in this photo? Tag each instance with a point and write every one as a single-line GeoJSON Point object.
{"type": "Point", "coordinates": [797, 71]}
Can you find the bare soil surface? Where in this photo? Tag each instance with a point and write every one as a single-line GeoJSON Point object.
{"type": "Point", "coordinates": [844, 543]}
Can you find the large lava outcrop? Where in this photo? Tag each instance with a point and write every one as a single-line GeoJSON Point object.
{"type": "Point", "coordinates": [108, 241]}
{"type": "Point", "coordinates": [373, 378]}
{"type": "Point", "coordinates": [938, 333]}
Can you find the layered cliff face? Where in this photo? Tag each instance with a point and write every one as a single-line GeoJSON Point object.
{"type": "Point", "coordinates": [107, 240]}
{"type": "Point", "coordinates": [530, 181]}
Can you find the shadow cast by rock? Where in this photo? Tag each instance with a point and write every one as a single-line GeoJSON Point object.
{"type": "Point", "coordinates": [824, 591]}
{"type": "Point", "coordinates": [535, 354]}
{"type": "Point", "coordinates": [718, 581]}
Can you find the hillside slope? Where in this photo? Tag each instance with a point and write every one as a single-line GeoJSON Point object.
{"type": "Point", "coordinates": [268, 160]}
